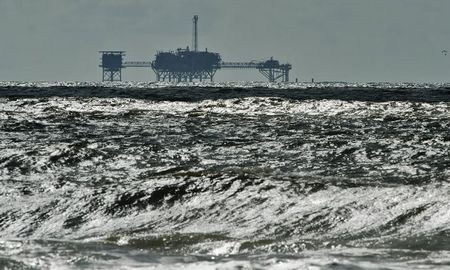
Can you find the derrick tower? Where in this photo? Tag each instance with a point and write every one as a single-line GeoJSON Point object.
{"type": "Point", "coordinates": [185, 64]}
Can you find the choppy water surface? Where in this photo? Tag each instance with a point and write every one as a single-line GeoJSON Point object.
{"type": "Point", "coordinates": [223, 176]}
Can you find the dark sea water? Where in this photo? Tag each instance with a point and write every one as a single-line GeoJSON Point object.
{"type": "Point", "coordinates": [224, 176]}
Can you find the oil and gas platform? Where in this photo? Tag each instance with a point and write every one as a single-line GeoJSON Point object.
{"type": "Point", "coordinates": [187, 65]}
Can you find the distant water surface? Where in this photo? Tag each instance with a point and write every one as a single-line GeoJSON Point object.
{"type": "Point", "coordinates": [224, 176]}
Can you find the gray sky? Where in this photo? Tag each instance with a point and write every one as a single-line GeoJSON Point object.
{"type": "Point", "coordinates": [330, 40]}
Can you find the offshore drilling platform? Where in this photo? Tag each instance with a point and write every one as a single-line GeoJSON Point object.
{"type": "Point", "coordinates": [186, 65]}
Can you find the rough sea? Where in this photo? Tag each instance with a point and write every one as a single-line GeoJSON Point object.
{"type": "Point", "coordinates": [224, 176]}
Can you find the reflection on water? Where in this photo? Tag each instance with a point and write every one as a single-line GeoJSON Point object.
{"type": "Point", "coordinates": [224, 177]}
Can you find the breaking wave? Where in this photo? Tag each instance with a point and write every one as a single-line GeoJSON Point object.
{"type": "Point", "coordinates": [231, 176]}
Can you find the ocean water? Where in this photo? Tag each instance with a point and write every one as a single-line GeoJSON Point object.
{"type": "Point", "coordinates": [224, 176]}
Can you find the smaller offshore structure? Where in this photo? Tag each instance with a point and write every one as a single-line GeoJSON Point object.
{"type": "Point", "coordinates": [112, 65]}
{"type": "Point", "coordinates": [189, 65]}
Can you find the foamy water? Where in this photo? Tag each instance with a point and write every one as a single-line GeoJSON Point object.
{"type": "Point", "coordinates": [224, 176]}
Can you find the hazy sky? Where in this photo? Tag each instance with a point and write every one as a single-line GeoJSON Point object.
{"type": "Point", "coordinates": [330, 40]}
